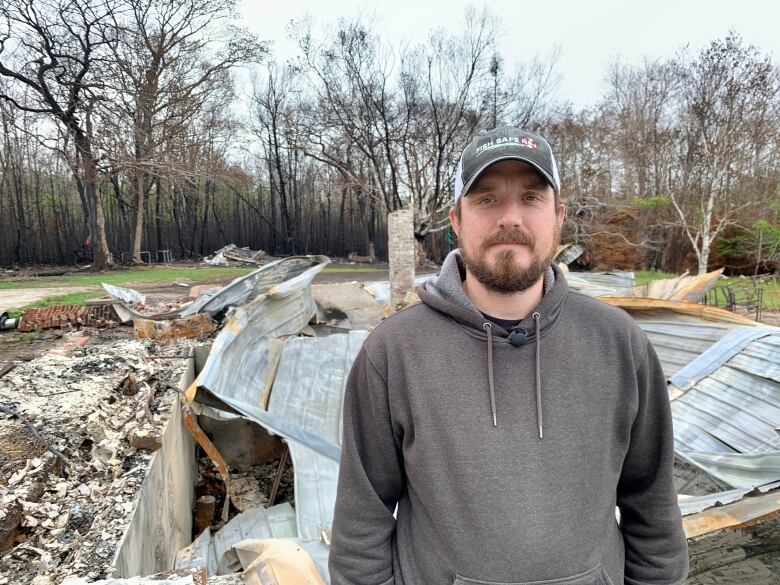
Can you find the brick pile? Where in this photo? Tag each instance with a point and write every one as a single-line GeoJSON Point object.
{"type": "Point", "coordinates": [73, 315]}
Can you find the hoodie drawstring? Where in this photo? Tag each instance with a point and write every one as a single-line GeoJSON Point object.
{"type": "Point", "coordinates": [489, 328]}
{"type": "Point", "coordinates": [537, 338]}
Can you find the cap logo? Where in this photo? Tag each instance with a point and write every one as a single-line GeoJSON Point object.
{"type": "Point", "coordinates": [529, 142]}
{"type": "Point", "coordinates": [526, 141]}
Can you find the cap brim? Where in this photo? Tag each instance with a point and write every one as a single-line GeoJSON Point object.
{"type": "Point", "coordinates": [484, 167]}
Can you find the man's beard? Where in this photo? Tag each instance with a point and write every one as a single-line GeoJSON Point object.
{"type": "Point", "coordinates": [505, 276]}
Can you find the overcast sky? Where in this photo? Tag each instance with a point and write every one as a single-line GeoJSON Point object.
{"type": "Point", "coordinates": [589, 33]}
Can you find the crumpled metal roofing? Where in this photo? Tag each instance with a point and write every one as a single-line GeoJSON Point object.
{"type": "Point", "coordinates": [679, 343]}
{"type": "Point", "coordinates": [257, 523]}
{"type": "Point", "coordinates": [247, 287]}
{"type": "Point", "coordinates": [727, 409]}
{"type": "Point", "coordinates": [213, 551]}
{"type": "Point", "coordinates": [242, 363]}
{"type": "Point", "coordinates": [696, 504]}
{"type": "Point", "coordinates": [750, 508]}
{"type": "Point", "coordinates": [308, 391]}
{"type": "Point", "coordinates": [596, 284]}
{"type": "Point", "coordinates": [568, 253]}
{"type": "Point", "coordinates": [680, 288]}
{"type": "Point", "coordinates": [305, 407]}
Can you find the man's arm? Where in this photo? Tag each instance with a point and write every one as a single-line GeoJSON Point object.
{"type": "Point", "coordinates": [371, 481]}
{"type": "Point", "coordinates": [656, 547]}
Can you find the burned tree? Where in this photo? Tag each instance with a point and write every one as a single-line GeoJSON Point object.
{"type": "Point", "coordinates": [168, 59]}
{"type": "Point", "coordinates": [52, 56]}
{"type": "Point", "coordinates": [726, 94]}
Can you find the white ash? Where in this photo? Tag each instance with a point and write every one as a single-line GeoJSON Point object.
{"type": "Point", "coordinates": [73, 514]}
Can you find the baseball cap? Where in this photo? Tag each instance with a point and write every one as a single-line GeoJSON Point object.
{"type": "Point", "coordinates": [505, 143]}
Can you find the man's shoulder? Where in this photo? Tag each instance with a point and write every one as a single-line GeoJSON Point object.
{"type": "Point", "coordinates": [409, 321]}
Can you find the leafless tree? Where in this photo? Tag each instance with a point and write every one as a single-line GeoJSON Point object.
{"type": "Point", "coordinates": [52, 56]}
{"type": "Point", "coordinates": [169, 56]}
{"type": "Point", "coordinates": [727, 94]}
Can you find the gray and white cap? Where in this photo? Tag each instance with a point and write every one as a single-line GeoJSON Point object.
{"type": "Point", "coordinates": [505, 143]}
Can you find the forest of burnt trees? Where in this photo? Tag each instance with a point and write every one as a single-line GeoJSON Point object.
{"type": "Point", "coordinates": [141, 125]}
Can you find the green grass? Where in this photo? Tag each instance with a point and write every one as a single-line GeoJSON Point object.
{"type": "Point", "coordinates": [29, 336]}
{"type": "Point", "coordinates": [133, 276]}
{"type": "Point", "coordinates": [78, 298]}
{"type": "Point", "coordinates": [645, 276]}
{"type": "Point", "coordinates": [127, 277]}
{"type": "Point", "coordinates": [744, 289]}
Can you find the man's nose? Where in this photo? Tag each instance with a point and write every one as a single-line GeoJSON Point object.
{"type": "Point", "coordinates": [511, 215]}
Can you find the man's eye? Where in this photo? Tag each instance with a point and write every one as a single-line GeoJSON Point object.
{"type": "Point", "coordinates": [533, 197]}
{"type": "Point", "coordinates": [484, 200]}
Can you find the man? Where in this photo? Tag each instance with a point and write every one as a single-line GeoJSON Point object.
{"type": "Point", "coordinates": [505, 416]}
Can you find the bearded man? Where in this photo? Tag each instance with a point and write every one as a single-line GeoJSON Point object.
{"type": "Point", "coordinates": [492, 431]}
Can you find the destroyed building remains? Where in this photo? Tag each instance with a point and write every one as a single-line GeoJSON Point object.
{"type": "Point", "coordinates": [197, 457]}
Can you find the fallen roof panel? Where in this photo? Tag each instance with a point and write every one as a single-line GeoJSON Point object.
{"type": "Point", "coordinates": [256, 523]}
{"type": "Point", "coordinates": [245, 288]}
{"type": "Point", "coordinates": [663, 309]}
{"type": "Point", "coordinates": [744, 512]}
{"type": "Point", "coordinates": [680, 288]}
{"type": "Point", "coordinates": [598, 284]}
{"type": "Point", "coordinates": [308, 392]}
{"type": "Point", "coordinates": [677, 344]}
{"type": "Point", "coordinates": [726, 410]}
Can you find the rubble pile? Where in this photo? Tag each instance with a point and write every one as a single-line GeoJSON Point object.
{"type": "Point", "coordinates": [64, 315]}
{"type": "Point", "coordinates": [232, 255]}
{"type": "Point", "coordinates": [78, 432]}
{"type": "Point", "coordinates": [250, 487]}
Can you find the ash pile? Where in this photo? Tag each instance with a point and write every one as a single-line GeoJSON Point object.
{"type": "Point", "coordinates": [76, 435]}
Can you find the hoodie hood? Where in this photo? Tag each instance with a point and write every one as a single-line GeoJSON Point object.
{"type": "Point", "coordinates": [445, 293]}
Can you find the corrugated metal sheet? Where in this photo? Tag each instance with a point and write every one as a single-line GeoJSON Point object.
{"type": "Point", "coordinates": [242, 362]}
{"type": "Point", "coordinates": [679, 343]}
{"type": "Point", "coordinates": [245, 288]}
{"type": "Point", "coordinates": [698, 504]}
{"type": "Point", "coordinates": [569, 253]}
{"type": "Point", "coordinates": [727, 416]}
{"type": "Point", "coordinates": [598, 284]}
{"type": "Point", "coordinates": [680, 288]}
{"type": "Point", "coordinates": [743, 512]}
{"type": "Point", "coordinates": [308, 392]}
{"type": "Point", "coordinates": [257, 523]}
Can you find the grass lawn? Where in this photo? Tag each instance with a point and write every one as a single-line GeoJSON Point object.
{"type": "Point", "coordinates": [743, 288]}
{"type": "Point", "coordinates": [744, 291]}
{"type": "Point", "coordinates": [134, 276]}
{"type": "Point", "coordinates": [645, 276]}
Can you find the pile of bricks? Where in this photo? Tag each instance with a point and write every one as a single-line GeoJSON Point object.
{"type": "Point", "coordinates": [63, 315]}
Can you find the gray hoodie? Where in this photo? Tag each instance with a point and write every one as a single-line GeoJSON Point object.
{"type": "Point", "coordinates": [506, 460]}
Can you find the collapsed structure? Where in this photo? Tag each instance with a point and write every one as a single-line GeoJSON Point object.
{"type": "Point", "coordinates": [269, 389]}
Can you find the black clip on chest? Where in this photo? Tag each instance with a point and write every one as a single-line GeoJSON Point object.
{"type": "Point", "coordinates": [518, 337]}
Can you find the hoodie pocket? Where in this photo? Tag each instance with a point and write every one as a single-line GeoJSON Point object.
{"type": "Point", "coordinates": [595, 576]}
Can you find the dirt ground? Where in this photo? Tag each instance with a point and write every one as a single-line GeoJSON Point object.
{"type": "Point", "coordinates": [21, 297]}
{"type": "Point", "coordinates": [27, 346]}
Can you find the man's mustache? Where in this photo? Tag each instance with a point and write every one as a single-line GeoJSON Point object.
{"type": "Point", "coordinates": [510, 236]}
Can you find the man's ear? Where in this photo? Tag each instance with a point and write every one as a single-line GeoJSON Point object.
{"type": "Point", "coordinates": [454, 220]}
{"type": "Point", "coordinates": [561, 214]}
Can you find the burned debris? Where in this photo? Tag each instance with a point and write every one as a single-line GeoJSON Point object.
{"type": "Point", "coordinates": [69, 473]}
{"type": "Point", "coordinates": [204, 447]}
